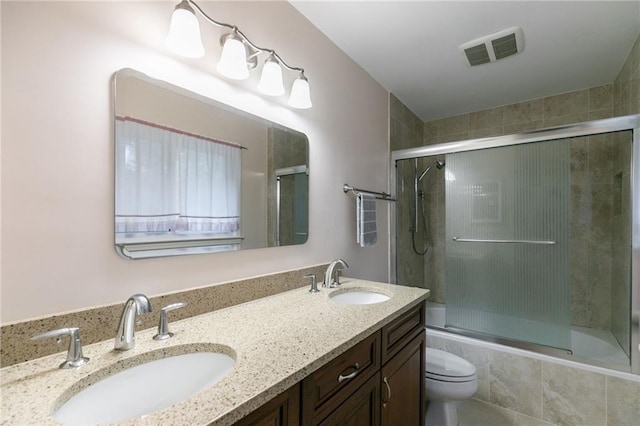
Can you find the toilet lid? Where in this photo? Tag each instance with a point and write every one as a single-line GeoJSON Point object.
{"type": "Point", "coordinates": [445, 364]}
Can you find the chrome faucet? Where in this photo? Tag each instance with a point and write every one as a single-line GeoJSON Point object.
{"type": "Point", "coordinates": [329, 281]}
{"type": "Point", "coordinates": [126, 333]}
{"type": "Point", "coordinates": [74, 354]}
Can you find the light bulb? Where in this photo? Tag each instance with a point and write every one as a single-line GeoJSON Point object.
{"type": "Point", "coordinates": [233, 61]}
{"type": "Point", "coordinates": [271, 78]}
{"type": "Point", "coordinates": [184, 32]}
{"type": "Point", "coordinates": [300, 95]}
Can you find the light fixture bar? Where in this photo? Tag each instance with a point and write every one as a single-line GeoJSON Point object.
{"type": "Point", "coordinates": [244, 37]}
{"type": "Point", "coordinates": [232, 65]}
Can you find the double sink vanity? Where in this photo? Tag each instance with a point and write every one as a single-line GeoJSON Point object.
{"type": "Point", "coordinates": [293, 357]}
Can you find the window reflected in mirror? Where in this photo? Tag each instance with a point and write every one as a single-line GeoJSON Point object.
{"type": "Point", "coordinates": [197, 176]}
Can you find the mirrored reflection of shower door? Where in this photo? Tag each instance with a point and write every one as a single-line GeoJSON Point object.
{"type": "Point", "coordinates": [507, 242]}
{"type": "Point", "coordinates": [292, 223]}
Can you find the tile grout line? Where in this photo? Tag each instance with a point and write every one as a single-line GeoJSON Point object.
{"type": "Point", "coordinates": [606, 400]}
{"type": "Point", "coordinates": [542, 391]}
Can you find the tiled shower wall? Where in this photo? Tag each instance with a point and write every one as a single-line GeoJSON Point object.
{"type": "Point", "coordinates": [406, 132]}
{"type": "Point", "coordinates": [626, 100]}
{"type": "Point", "coordinates": [537, 392]}
{"type": "Point", "coordinates": [285, 149]}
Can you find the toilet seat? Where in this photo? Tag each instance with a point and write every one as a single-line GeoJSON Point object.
{"type": "Point", "coordinates": [447, 367]}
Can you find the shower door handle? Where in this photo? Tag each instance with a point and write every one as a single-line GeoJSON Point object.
{"type": "Point", "coordinates": [473, 240]}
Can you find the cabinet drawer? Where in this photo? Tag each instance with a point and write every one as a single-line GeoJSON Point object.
{"type": "Point", "coordinates": [328, 387]}
{"type": "Point", "coordinates": [400, 332]}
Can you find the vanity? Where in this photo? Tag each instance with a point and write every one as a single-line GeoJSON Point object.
{"type": "Point", "coordinates": [299, 358]}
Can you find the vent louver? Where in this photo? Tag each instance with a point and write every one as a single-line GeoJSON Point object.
{"type": "Point", "coordinates": [493, 47]}
{"type": "Point", "coordinates": [477, 55]}
{"type": "Point", "coordinates": [505, 46]}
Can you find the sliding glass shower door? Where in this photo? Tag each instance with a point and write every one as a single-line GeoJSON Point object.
{"type": "Point", "coordinates": [507, 242]}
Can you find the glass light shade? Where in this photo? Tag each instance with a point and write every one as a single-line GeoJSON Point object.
{"type": "Point", "coordinates": [271, 78]}
{"type": "Point", "coordinates": [184, 33]}
{"type": "Point", "coordinates": [233, 61]}
{"type": "Point", "coordinates": [300, 95]}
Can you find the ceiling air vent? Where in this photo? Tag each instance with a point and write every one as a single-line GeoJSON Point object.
{"type": "Point", "coordinates": [477, 55]}
{"type": "Point", "coordinates": [496, 46]}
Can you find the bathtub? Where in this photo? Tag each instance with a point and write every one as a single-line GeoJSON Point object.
{"type": "Point", "coordinates": [599, 346]}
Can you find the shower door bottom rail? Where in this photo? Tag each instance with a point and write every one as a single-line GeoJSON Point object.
{"type": "Point", "coordinates": [474, 240]}
{"type": "Point", "coordinates": [565, 353]}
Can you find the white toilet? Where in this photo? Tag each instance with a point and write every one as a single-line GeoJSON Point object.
{"type": "Point", "coordinates": [450, 379]}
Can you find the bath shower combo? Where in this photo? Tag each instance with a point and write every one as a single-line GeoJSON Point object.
{"type": "Point", "coordinates": [527, 225]}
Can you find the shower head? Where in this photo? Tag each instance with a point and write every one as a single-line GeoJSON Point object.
{"type": "Point", "coordinates": [439, 164]}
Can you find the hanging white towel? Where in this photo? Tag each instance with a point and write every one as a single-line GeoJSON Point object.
{"type": "Point", "coordinates": [358, 208]}
{"type": "Point", "coordinates": [366, 228]}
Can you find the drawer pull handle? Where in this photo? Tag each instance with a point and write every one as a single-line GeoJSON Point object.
{"type": "Point", "coordinates": [384, 380]}
{"type": "Point", "coordinates": [342, 378]}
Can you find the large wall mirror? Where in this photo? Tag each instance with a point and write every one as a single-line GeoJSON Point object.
{"type": "Point", "coordinates": [193, 175]}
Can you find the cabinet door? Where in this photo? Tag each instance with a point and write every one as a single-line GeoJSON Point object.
{"type": "Point", "coordinates": [360, 409]}
{"type": "Point", "coordinates": [283, 410]}
{"type": "Point", "coordinates": [403, 385]}
{"type": "Point", "coordinates": [326, 389]}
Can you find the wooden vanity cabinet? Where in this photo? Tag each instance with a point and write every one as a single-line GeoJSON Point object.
{"type": "Point", "coordinates": [378, 382]}
{"type": "Point", "coordinates": [283, 410]}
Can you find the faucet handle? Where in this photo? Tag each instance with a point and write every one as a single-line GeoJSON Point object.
{"type": "Point", "coordinates": [314, 283]}
{"type": "Point", "coordinates": [336, 276]}
{"type": "Point", "coordinates": [74, 353]}
{"type": "Point", "coordinates": [163, 324]}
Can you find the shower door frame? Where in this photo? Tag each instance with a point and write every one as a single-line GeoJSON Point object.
{"type": "Point", "coordinates": [286, 171]}
{"type": "Point", "coordinates": [617, 124]}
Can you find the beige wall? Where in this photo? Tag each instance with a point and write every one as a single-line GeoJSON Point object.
{"type": "Point", "coordinates": [57, 158]}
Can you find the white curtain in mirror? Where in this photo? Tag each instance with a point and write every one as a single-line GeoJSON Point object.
{"type": "Point", "coordinates": [173, 182]}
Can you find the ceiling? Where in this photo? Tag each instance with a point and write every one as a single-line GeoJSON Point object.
{"type": "Point", "coordinates": [411, 47]}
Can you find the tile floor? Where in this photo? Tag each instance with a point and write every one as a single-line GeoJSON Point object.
{"type": "Point", "coordinates": [472, 412]}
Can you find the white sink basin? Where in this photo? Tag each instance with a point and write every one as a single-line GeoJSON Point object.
{"type": "Point", "coordinates": [145, 388]}
{"type": "Point", "coordinates": [358, 296]}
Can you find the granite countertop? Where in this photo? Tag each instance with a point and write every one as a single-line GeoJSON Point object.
{"type": "Point", "coordinates": [277, 341]}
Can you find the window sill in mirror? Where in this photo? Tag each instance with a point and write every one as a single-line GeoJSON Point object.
{"type": "Point", "coordinates": [174, 245]}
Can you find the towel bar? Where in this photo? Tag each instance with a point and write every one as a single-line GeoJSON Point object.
{"type": "Point", "coordinates": [379, 195]}
{"type": "Point", "coordinates": [473, 240]}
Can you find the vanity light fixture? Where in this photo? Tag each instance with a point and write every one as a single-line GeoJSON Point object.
{"type": "Point", "coordinates": [233, 60]}
{"type": "Point", "coordinates": [271, 77]}
{"type": "Point", "coordinates": [239, 54]}
{"type": "Point", "coordinates": [184, 32]}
